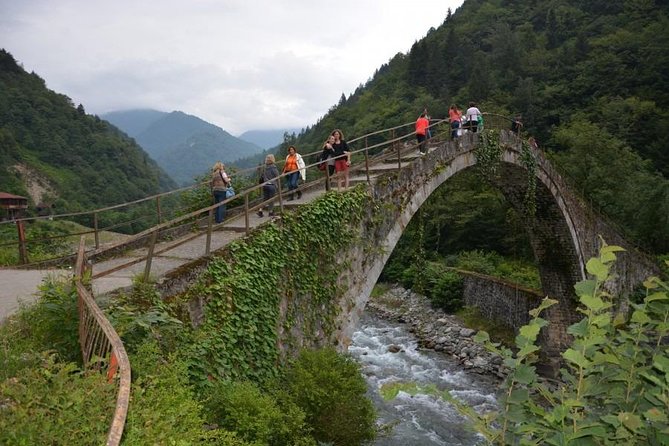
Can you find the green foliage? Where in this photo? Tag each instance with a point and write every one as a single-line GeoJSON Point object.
{"type": "Point", "coordinates": [44, 240]}
{"type": "Point", "coordinates": [499, 331]}
{"type": "Point", "coordinates": [330, 389]}
{"type": "Point", "coordinates": [294, 261]}
{"type": "Point", "coordinates": [488, 154]}
{"type": "Point", "coordinates": [615, 385]}
{"type": "Point", "coordinates": [164, 410]}
{"type": "Point", "coordinates": [55, 403]}
{"type": "Point", "coordinates": [50, 324]}
{"type": "Point", "coordinates": [621, 184]}
{"type": "Point", "coordinates": [256, 417]}
{"type": "Point", "coordinates": [143, 316]}
{"type": "Point", "coordinates": [558, 63]}
{"type": "Point", "coordinates": [492, 264]}
{"type": "Point", "coordinates": [443, 287]}
{"type": "Point", "coordinates": [86, 162]}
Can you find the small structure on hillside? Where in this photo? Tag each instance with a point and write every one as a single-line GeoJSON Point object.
{"type": "Point", "coordinates": [12, 206]}
{"type": "Point", "coordinates": [44, 209]}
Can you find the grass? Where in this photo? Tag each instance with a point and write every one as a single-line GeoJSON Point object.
{"type": "Point", "coordinates": [61, 244]}
{"type": "Point", "coordinates": [499, 332]}
{"type": "Point", "coordinates": [378, 294]}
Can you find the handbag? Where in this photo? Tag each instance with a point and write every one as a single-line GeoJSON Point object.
{"type": "Point", "coordinates": [229, 192]}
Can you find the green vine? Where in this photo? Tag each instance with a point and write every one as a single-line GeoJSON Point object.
{"type": "Point", "coordinates": [277, 288]}
{"type": "Point", "coordinates": [488, 154]}
{"type": "Point", "coordinates": [529, 162]}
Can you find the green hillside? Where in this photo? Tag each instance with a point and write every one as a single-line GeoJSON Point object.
{"type": "Point", "coordinates": [591, 80]}
{"type": "Point", "coordinates": [133, 122]}
{"type": "Point", "coordinates": [185, 146]}
{"type": "Point", "coordinates": [52, 149]}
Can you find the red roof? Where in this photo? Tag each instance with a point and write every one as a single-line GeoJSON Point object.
{"type": "Point", "coordinates": [5, 196]}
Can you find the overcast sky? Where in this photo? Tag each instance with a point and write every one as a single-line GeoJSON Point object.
{"type": "Point", "coordinates": [239, 64]}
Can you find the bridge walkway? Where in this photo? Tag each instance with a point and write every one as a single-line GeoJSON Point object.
{"type": "Point", "coordinates": [170, 258]}
{"type": "Point", "coordinates": [172, 254]}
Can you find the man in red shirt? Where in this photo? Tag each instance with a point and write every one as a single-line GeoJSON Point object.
{"type": "Point", "coordinates": [422, 123]}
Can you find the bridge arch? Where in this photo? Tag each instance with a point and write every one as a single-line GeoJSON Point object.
{"type": "Point", "coordinates": [563, 234]}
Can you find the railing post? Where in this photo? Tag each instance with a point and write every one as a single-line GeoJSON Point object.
{"type": "Point", "coordinates": [367, 161]}
{"type": "Point", "coordinates": [149, 256]}
{"type": "Point", "coordinates": [210, 223]}
{"type": "Point", "coordinates": [327, 175]}
{"type": "Point", "coordinates": [399, 152]}
{"type": "Point", "coordinates": [280, 196]}
{"type": "Point", "coordinates": [246, 213]}
{"type": "Point", "coordinates": [23, 253]}
{"type": "Point", "coordinates": [158, 210]}
{"type": "Point", "coordinates": [95, 230]}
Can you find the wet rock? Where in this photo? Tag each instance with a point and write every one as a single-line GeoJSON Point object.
{"type": "Point", "coordinates": [394, 348]}
{"type": "Point", "coordinates": [437, 330]}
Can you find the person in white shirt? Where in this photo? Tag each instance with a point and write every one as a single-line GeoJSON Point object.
{"type": "Point", "coordinates": [472, 115]}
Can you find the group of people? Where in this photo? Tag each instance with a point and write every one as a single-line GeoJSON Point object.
{"type": "Point", "coordinates": [471, 120]}
{"type": "Point", "coordinates": [335, 157]}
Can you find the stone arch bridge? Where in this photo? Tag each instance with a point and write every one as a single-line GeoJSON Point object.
{"type": "Point", "coordinates": [564, 232]}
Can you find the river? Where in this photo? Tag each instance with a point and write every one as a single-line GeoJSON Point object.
{"type": "Point", "coordinates": [421, 419]}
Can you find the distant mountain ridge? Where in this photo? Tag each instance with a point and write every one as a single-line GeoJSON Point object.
{"type": "Point", "coordinates": [185, 146]}
{"type": "Point", "coordinates": [76, 160]}
{"type": "Point", "coordinates": [266, 139]}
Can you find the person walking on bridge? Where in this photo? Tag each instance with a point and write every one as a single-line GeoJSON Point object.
{"type": "Point", "coordinates": [295, 168]}
{"type": "Point", "coordinates": [268, 178]}
{"type": "Point", "coordinates": [342, 156]}
{"type": "Point", "coordinates": [422, 124]}
{"type": "Point", "coordinates": [473, 115]}
{"type": "Point", "coordinates": [454, 117]}
{"type": "Point", "coordinates": [219, 186]}
{"type": "Point", "coordinates": [328, 160]}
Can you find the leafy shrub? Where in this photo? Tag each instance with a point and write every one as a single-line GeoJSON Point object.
{"type": "Point", "coordinates": [615, 382]}
{"type": "Point", "coordinates": [55, 403]}
{"type": "Point", "coordinates": [164, 410]}
{"type": "Point", "coordinates": [410, 278]}
{"type": "Point", "coordinates": [330, 389]}
{"type": "Point", "coordinates": [50, 324]}
{"type": "Point", "coordinates": [443, 287]}
{"type": "Point", "coordinates": [479, 261]}
{"type": "Point", "coordinates": [256, 417]}
{"type": "Point", "coordinates": [143, 316]}
{"type": "Point", "coordinates": [394, 268]}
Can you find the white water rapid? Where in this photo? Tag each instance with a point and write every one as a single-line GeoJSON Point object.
{"type": "Point", "coordinates": [421, 419]}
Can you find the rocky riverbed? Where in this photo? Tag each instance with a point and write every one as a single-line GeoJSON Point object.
{"type": "Point", "coordinates": [436, 330]}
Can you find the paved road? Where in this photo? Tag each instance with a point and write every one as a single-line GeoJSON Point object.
{"type": "Point", "coordinates": [20, 286]}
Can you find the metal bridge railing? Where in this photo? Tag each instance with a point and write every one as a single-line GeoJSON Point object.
{"type": "Point", "coordinates": [164, 211]}
{"type": "Point", "coordinates": [101, 347]}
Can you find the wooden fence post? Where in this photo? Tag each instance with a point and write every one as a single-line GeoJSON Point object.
{"type": "Point", "coordinates": [95, 230]}
{"type": "Point", "coordinates": [149, 256]}
{"type": "Point", "coordinates": [23, 253]}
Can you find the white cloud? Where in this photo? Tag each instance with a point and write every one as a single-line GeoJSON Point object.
{"type": "Point", "coordinates": [240, 64]}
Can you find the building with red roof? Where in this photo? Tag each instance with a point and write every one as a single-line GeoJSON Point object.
{"type": "Point", "coordinates": [12, 206]}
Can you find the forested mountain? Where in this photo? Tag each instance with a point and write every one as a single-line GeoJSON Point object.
{"type": "Point", "coordinates": [266, 139]}
{"type": "Point", "coordinates": [591, 80]}
{"type": "Point", "coordinates": [184, 145]}
{"type": "Point", "coordinates": [133, 122]}
{"type": "Point", "coordinates": [53, 151]}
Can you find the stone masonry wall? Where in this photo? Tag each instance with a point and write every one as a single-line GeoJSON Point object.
{"type": "Point", "coordinates": [499, 300]}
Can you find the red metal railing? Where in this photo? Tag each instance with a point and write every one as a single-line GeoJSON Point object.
{"type": "Point", "coordinates": [101, 347]}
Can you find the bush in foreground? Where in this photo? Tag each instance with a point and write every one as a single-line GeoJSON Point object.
{"type": "Point", "coordinates": [330, 389]}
